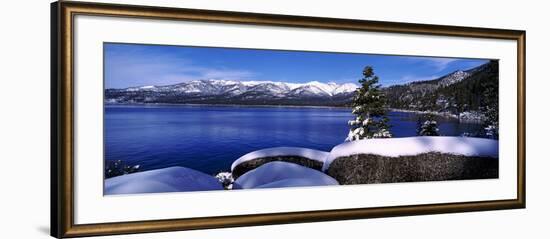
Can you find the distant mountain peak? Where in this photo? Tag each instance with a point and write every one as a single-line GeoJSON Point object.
{"type": "Point", "coordinates": [453, 78]}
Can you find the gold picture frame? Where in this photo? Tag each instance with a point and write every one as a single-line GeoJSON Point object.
{"type": "Point", "coordinates": [62, 128]}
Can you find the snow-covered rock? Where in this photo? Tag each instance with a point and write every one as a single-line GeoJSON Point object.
{"type": "Point", "coordinates": [310, 158]}
{"type": "Point", "coordinates": [395, 147]}
{"type": "Point", "coordinates": [173, 179]}
{"type": "Point", "coordinates": [312, 154]}
{"type": "Point", "coordinates": [282, 174]}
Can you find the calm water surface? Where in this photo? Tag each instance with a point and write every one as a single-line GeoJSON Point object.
{"type": "Point", "coordinates": [210, 138]}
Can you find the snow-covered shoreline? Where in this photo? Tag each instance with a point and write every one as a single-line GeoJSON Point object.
{"type": "Point", "coordinates": [281, 172]}
{"type": "Point", "coordinates": [468, 116]}
{"type": "Point", "coordinates": [442, 114]}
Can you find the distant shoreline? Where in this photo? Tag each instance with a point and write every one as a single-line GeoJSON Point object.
{"type": "Point", "coordinates": [226, 105]}
{"type": "Point", "coordinates": [441, 114]}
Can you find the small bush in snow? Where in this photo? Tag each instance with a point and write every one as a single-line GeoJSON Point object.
{"type": "Point", "coordinates": [226, 179]}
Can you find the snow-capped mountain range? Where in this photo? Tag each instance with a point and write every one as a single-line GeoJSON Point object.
{"type": "Point", "coordinates": [234, 88]}
{"type": "Point", "coordinates": [214, 91]}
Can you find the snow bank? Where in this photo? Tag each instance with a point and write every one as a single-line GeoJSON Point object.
{"type": "Point", "coordinates": [173, 179]}
{"type": "Point", "coordinates": [312, 154]}
{"type": "Point", "coordinates": [395, 147]}
{"type": "Point", "coordinates": [296, 182]}
{"type": "Point", "coordinates": [282, 174]}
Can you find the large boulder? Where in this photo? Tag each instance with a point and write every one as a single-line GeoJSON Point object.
{"type": "Point", "coordinates": [282, 174]}
{"type": "Point", "coordinates": [310, 158]}
{"type": "Point", "coordinates": [172, 179]}
{"type": "Point", "coordinates": [413, 159]}
{"type": "Point", "coordinates": [370, 168]}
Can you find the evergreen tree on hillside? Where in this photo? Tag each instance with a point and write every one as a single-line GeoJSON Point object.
{"type": "Point", "coordinates": [471, 94]}
{"type": "Point", "coordinates": [490, 101]}
{"type": "Point", "coordinates": [427, 127]}
{"type": "Point", "coordinates": [368, 107]}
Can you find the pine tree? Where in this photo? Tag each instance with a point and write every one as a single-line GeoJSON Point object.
{"type": "Point", "coordinates": [368, 107]}
{"type": "Point", "coordinates": [427, 127]}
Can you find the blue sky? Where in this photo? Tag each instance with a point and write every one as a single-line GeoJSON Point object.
{"type": "Point", "coordinates": [129, 65]}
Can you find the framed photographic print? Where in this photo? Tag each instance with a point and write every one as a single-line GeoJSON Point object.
{"type": "Point", "coordinates": [172, 119]}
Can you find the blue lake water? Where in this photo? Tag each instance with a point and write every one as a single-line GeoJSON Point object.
{"type": "Point", "coordinates": [210, 138]}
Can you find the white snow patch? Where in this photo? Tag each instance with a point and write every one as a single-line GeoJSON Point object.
{"type": "Point", "coordinates": [395, 147]}
{"type": "Point", "coordinates": [345, 88]}
{"type": "Point", "coordinates": [299, 182]}
{"type": "Point", "coordinates": [313, 154]}
{"type": "Point", "coordinates": [173, 179]}
{"type": "Point", "coordinates": [282, 174]}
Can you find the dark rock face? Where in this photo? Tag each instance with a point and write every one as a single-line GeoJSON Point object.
{"type": "Point", "coordinates": [369, 168]}
{"type": "Point", "coordinates": [252, 164]}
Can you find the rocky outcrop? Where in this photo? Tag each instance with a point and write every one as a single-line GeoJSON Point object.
{"type": "Point", "coordinates": [433, 166]}
{"type": "Point", "coordinates": [255, 163]}
{"type": "Point", "coordinates": [310, 158]}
